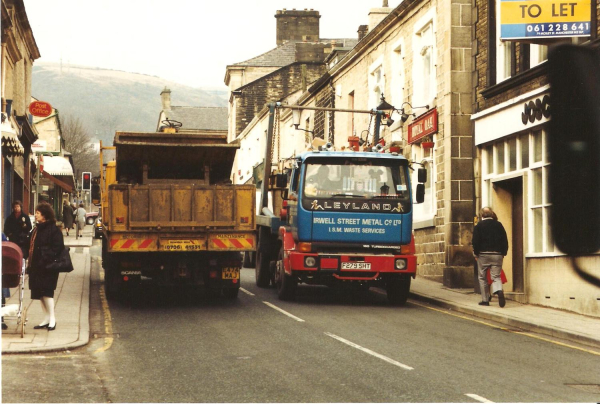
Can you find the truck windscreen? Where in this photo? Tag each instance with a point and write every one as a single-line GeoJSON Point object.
{"type": "Point", "coordinates": [349, 184]}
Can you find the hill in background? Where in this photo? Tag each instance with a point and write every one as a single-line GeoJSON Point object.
{"type": "Point", "coordinates": [109, 100]}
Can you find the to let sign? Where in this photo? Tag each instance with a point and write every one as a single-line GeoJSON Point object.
{"type": "Point", "coordinates": [427, 124]}
{"type": "Point", "coordinates": [40, 108]}
{"type": "Point", "coordinates": [531, 19]}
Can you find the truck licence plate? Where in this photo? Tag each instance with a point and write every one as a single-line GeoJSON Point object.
{"type": "Point", "coordinates": [231, 273]}
{"type": "Point", "coordinates": [356, 265]}
{"type": "Point", "coordinates": [182, 245]}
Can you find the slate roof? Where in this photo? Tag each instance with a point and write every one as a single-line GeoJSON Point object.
{"type": "Point", "coordinates": [207, 118]}
{"type": "Point", "coordinates": [285, 54]}
{"type": "Point", "coordinates": [281, 56]}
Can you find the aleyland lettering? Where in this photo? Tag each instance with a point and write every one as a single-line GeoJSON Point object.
{"type": "Point", "coordinates": [363, 206]}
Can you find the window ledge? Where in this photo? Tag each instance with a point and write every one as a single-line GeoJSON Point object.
{"type": "Point", "coordinates": [424, 223]}
{"type": "Point", "coordinates": [515, 81]}
{"type": "Point", "coordinates": [545, 255]}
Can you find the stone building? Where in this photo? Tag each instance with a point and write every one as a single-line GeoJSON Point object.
{"type": "Point", "coordinates": [418, 56]}
{"type": "Point", "coordinates": [19, 51]}
{"type": "Point", "coordinates": [297, 61]}
{"type": "Point", "coordinates": [511, 115]}
{"type": "Point", "coordinates": [55, 181]}
{"type": "Point", "coordinates": [212, 120]}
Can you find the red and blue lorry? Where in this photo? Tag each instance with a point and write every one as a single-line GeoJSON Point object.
{"type": "Point", "coordinates": [343, 216]}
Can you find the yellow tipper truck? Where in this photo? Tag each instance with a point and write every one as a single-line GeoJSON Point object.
{"type": "Point", "coordinates": [170, 212]}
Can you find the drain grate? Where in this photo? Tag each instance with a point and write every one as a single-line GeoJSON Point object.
{"type": "Point", "coordinates": [105, 335]}
{"type": "Point", "coordinates": [588, 388]}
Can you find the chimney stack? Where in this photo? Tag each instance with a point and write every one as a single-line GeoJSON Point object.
{"type": "Point", "coordinates": [363, 30]}
{"type": "Point", "coordinates": [297, 25]}
{"type": "Point", "coordinates": [165, 97]}
{"type": "Point", "coordinates": [376, 15]}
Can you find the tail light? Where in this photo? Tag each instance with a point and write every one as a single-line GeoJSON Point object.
{"type": "Point", "coordinates": [120, 219]}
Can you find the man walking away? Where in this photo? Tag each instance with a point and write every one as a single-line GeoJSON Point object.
{"type": "Point", "coordinates": [490, 246]}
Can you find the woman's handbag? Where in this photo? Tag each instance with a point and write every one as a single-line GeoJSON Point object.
{"type": "Point", "coordinates": [62, 263]}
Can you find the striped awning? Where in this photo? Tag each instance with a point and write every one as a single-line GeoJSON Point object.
{"type": "Point", "coordinates": [11, 145]}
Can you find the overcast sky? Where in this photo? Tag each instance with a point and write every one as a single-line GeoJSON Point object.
{"type": "Point", "coordinates": [186, 41]}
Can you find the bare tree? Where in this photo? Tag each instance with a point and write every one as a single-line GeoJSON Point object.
{"type": "Point", "coordinates": [77, 142]}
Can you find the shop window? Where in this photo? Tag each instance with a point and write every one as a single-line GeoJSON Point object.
{"type": "Point", "coordinates": [424, 211]}
{"type": "Point", "coordinates": [524, 143]}
{"type": "Point", "coordinates": [537, 147]}
{"type": "Point", "coordinates": [526, 153]}
{"type": "Point", "coordinates": [512, 154]}
{"type": "Point", "coordinates": [500, 158]}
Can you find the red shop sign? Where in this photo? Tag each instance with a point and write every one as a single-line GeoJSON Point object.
{"type": "Point", "coordinates": [40, 108]}
{"type": "Point", "coordinates": [426, 124]}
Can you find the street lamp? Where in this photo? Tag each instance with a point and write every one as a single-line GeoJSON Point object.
{"type": "Point", "coordinates": [383, 109]}
{"type": "Point", "coordinates": [404, 116]}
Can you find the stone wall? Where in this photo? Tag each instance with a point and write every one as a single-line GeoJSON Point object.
{"type": "Point", "coordinates": [271, 88]}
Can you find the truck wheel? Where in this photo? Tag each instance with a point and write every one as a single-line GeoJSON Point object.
{"type": "Point", "coordinates": [231, 293]}
{"type": "Point", "coordinates": [286, 285]}
{"type": "Point", "coordinates": [262, 270]}
{"type": "Point", "coordinates": [112, 284]}
{"type": "Point", "coordinates": [248, 261]}
{"type": "Point", "coordinates": [398, 290]}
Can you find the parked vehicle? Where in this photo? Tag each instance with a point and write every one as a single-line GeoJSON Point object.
{"type": "Point", "coordinates": [170, 212]}
{"type": "Point", "coordinates": [90, 217]}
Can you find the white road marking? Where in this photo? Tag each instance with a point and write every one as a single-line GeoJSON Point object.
{"type": "Point", "coordinates": [283, 311]}
{"type": "Point", "coordinates": [478, 398]}
{"type": "Point", "coordinates": [366, 350]}
{"type": "Point", "coordinates": [247, 292]}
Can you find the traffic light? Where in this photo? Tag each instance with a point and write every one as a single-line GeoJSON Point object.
{"type": "Point", "coordinates": [86, 181]}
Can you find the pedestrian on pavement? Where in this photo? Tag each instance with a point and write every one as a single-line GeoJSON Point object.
{"type": "Point", "coordinates": [17, 227]}
{"type": "Point", "coordinates": [46, 245]}
{"type": "Point", "coordinates": [80, 219]}
{"type": "Point", "coordinates": [5, 291]}
{"type": "Point", "coordinates": [67, 216]}
{"type": "Point", "coordinates": [490, 246]}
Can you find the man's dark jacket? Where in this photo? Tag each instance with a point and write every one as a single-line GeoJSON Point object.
{"type": "Point", "coordinates": [489, 236]}
{"type": "Point", "coordinates": [17, 229]}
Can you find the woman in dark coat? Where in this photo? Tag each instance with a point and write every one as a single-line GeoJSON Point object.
{"type": "Point", "coordinates": [46, 244]}
{"type": "Point", "coordinates": [67, 216]}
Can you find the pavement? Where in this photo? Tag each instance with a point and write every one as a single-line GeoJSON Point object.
{"type": "Point", "coordinates": [73, 294]}
{"type": "Point", "coordinates": [72, 307]}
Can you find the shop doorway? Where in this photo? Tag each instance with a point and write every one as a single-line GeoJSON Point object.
{"type": "Point", "coordinates": [507, 200]}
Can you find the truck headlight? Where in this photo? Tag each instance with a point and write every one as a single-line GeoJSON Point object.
{"type": "Point", "coordinates": [401, 263]}
{"type": "Point", "coordinates": [310, 262]}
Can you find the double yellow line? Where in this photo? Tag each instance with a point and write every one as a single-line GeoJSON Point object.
{"type": "Point", "coordinates": [508, 330]}
{"type": "Point", "coordinates": [107, 317]}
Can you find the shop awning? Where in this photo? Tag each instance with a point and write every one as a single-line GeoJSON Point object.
{"type": "Point", "coordinates": [11, 145]}
{"type": "Point", "coordinates": [58, 170]}
{"type": "Point", "coordinates": [65, 182]}
{"type": "Point", "coordinates": [57, 165]}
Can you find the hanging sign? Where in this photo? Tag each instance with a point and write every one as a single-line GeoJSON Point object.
{"type": "Point", "coordinates": [40, 108]}
{"type": "Point", "coordinates": [535, 19]}
{"type": "Point", "coordinates": [426, 124]}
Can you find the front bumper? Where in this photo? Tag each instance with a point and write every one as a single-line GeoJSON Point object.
{"type": "Point", "coordinates": [352, 267]}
